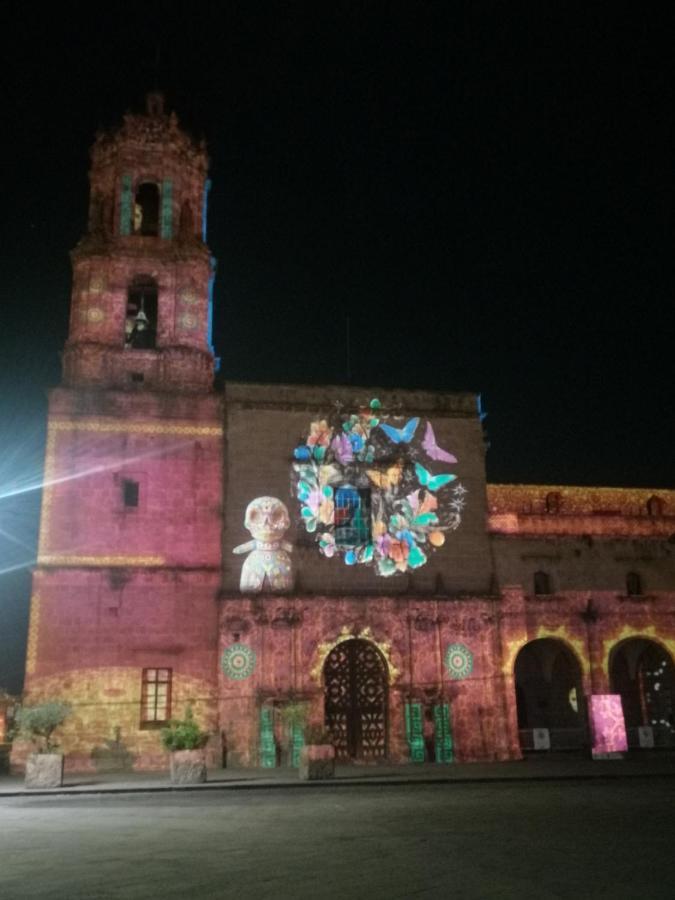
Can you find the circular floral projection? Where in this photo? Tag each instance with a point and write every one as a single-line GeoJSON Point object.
{"type": "Point", "coordinates": [238, 661]}
{"type": "Point", "coordinates": [458, 661]}
{"type": "Point", "coordinates": [368, 490]}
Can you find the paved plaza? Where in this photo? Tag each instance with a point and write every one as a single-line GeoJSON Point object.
{"type": "Point", "coordinates": [600, 838]}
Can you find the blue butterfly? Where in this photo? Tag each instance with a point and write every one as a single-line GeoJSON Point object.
{"type": "Point", "coordinates": [432, 482]}
{"type": "Point", "coordinates": [401, 435]}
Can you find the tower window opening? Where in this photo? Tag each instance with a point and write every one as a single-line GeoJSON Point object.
{"type": "Point", "coordinates": [130, 492]}
{"type": "Point", "coordinates": [140, 328]}
{"type": "Point", "coordinates": [553, 503]}
{"type": "Point", "coordinates": [146, 209]}
{"type": "Point", "coordinates": [352, 516]}
{"type": "Point", "coordinates": [542, 583]}
{"type": "Point", "coordinates": [633, 584]}
{"type": "Point", "coordinates": [655, 506]}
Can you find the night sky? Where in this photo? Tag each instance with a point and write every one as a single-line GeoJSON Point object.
{"type": "Point", "coordinates": [486, 196]}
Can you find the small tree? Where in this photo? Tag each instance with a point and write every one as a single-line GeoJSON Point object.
{"type": "Point", "coordinates": [184, 734]}
{"type": "Point", "coordinates": [38, 723]}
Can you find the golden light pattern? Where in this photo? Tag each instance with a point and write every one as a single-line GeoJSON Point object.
{"type": "Point", "coordinates": [511, 650]}
{"type": "Point", "coordinates": [56, 560]}
{"type": "Point", "coordinates": [649, 633]}
{"type": "Point", "coordinates": [100, 425]}
{"type": "Point", "coordinates": [33, 631]}
{"type": "Point", "coordinates": [56, 426]}
{"type": "Point", "coordinates": [530, 499]}
{"type": "Point", "coordinates": [108, 698]}
{"type": "Point", "coordinates": [347, 634]}
{"type": "Point", "coordinates": [577, 645]}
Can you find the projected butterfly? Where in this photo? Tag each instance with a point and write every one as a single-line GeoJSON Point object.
{"type": "Point", "coordinates": [432, 482]}
{"type": "Point", "coordinates": [401, 435]}
{"type": "Point", "coordinates": [432, 448]}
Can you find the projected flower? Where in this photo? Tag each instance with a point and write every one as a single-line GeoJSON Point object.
{"type": "Point", "coordinates": [368, 492]}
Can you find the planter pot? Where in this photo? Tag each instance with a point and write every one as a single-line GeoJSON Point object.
{"type": "Point", "coordinates": [317, 761]}
{"type": "Point", "coordinates": [188, 767]}
{"type": "Point", "coordinates": [44, 770]}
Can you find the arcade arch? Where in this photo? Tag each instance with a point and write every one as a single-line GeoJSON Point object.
{"type": "Point", "coordinates": [549, 694]}
{"type": "Point", "coordinates": [642, 671]}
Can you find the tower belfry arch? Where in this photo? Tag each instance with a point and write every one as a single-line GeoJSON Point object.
{"type": "Point", "coordinates": [148, 188]}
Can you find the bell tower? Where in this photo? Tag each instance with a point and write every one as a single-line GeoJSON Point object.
{"type": "Point", "coordinates": [124, 603]}
{"type": "Point", "coordinates": [142, 274]}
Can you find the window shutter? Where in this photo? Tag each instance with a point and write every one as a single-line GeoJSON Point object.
{"type": "Point", "coordinates": [167, 208]}
{"type": "Point", "coordinates": [442, 733]}
{"type": "Point", "coordinates": [125, 205]}
{"type": "Point", "coordinates": [414, 733]}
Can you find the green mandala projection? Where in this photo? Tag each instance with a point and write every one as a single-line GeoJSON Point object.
{"type": "Point", "coordinates": [458, 661]}
{"type": "Point", "coordinates": [238, 661]}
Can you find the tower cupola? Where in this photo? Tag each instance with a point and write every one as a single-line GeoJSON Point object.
{"type": "Point", "coordinates": [143, 274]}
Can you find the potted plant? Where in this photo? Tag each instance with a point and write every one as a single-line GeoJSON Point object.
{"type": "Point", "coordinates": [317, 757]}
{"type": "Point", "coordinates": [294, 718]}
{"type": "Point", "coordinates": [44, 767]}
{"type": "Point", "coordinates": [185, 741]}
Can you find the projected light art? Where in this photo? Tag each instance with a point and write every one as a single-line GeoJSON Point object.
{"type": "Point", "coordinates": [368, 492]}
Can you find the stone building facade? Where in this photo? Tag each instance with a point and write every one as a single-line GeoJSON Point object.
{"type": "Point", "coordinates": [278, 557]}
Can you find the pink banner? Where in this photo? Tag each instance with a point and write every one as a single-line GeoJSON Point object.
{"type": "Point", "coordinates": [607, 724]}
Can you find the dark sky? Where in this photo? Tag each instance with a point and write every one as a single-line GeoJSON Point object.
{"type": "Point", "coordinates": [486, 194]}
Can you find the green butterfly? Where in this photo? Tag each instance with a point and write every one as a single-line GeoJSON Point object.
{"type": "Point", "coordinates": [432, 482]}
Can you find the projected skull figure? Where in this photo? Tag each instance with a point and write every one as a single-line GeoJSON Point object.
{"type": "Point", "coordinates": [269, 564]}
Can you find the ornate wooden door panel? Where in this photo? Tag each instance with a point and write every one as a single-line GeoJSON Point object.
{"type": "Point", "coordinates": [355, 679]}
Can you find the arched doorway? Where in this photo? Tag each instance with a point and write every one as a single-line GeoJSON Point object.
{"type": "Point", "coordinates": [642, 672]}
{"type": "Point", "coordinates": [549, 695]}
{"type": "Point", "coordinates": [355, 685]}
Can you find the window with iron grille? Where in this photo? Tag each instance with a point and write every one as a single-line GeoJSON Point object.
{"type": "Point", "coordinates": [352, 516]}
{"type": "Point", "coordinates": [156, 697]}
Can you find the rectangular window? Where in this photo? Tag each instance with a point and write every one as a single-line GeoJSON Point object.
{"type": "Point", "coordinates": [156, 697]}
{"type": "Point", "coordinates": [130, 492]}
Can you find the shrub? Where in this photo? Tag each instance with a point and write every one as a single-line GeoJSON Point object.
{"type": "Point", "coordinates": [38, 723]}
{"type": "Point", "coordinates": [294, 713]}
{"type": "Point", "coordinates": [184, 734]}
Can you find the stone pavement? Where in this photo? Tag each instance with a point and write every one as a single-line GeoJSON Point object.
{"type": "Point", "coordinates": [551, 767]}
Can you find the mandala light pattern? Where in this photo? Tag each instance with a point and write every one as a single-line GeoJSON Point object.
{"type": "Point", "coordinates": [458, 661]}
{"type": "Point", "coordinates": [406, 508]}
{"type": "Point", "coordinates": [238, 662]}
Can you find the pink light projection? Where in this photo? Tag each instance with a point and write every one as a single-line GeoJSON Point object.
{"type": "Point", "coordinates": [607, 724]}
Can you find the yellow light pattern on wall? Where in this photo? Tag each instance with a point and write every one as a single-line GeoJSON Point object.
{"type": "Point", "coordinates": [103, 699]}
{"type": "Point", "coordinates": [649, 633]}
{"type": "Point", "coordinates": [512, 648]}
{"type": "Point", "coordinates": [347, 634]}
{"type": "Point", "coordinates": [526, 499]}
{"type": "Point", "coordinates": [33, 631]}
{"type": "Point", "coordinates": [56, 560]}
{"type": "Point", "coordinates": [577, 645]}
{"type": "Point", "coordinates": [103, 426]}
